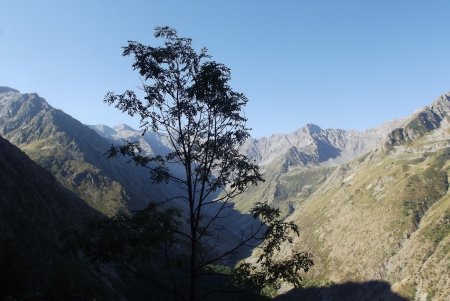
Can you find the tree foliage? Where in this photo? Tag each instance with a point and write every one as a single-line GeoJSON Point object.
{"type": "Point", "coordinates": [186, 97]}
{"type": "Point", "coordinates": [270, 272]}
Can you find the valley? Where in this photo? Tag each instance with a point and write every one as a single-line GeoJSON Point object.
{"type": "Point", "coordinates": [371, 205]}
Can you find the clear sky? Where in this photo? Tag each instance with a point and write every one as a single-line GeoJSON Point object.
{"type": "Point", "coordinates": [338, 64]}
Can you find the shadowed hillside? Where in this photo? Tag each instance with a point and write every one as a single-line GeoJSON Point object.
{"type": "Point", "coordinates": [350, 291]}
{"type": "Point", "coordinates": [34, 210]}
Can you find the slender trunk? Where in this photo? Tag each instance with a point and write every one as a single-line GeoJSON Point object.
{"type": "Point", "coordinates": [193, 273]}
{"type": "Point", "coordinates": [193, 261]}
{"type": "Point", "coordinates": [192, 222]}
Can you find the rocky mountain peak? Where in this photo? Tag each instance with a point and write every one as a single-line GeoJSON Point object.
{"type": "Point", "coordinates": [104, 130]}
{"type": "Point", "coordinates": [124, 127]}
{"type": "Point", "coordinates": [18, 109]}
{"type": "Point", "coordinates": [7, 90]}
{"type": "Point", "coordinates": [423, 121]}
{"type": "Point", "coordinates": [312, 128]}
{"type": "Point", "coordinates": [151, 143]}
{"type": "Point", "coordinates": [311, 145]}
{"type": "Point", "coordinates": [442, 104]}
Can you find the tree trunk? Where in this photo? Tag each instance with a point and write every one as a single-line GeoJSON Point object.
{"type": "Point", "coordinates": [193, 273]}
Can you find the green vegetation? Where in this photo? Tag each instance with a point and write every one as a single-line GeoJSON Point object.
{"type": "Point", "coordinates": [439, 230]}
{"type": "Point", "coordinates": [302, 183]}
{"type": "Point", "coordinates": [408, 290]}
{"type": "Point", "coordinates": [425, 188]}
{"type": "Point", "coordinates": [81, 177]}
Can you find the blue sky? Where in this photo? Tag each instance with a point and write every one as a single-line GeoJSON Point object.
{"type": "Point", "coordinates": [338, 64]}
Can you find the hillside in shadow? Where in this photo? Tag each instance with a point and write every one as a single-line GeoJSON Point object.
{"type": "Point", "coordinates": [374, 290]}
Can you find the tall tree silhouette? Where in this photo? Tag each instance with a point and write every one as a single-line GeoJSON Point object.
{"type": "Point", "coordinates": [186, 97]}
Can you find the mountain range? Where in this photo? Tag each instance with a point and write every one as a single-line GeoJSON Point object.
{"type": "Point", "coordinates": [152, 143]}
{"type": "Point", "coordinates": [371, 205]}
{"type": "Point", "coordinates": [384, 215]}
{"type": "Point", "coordinates": [313, 146]}
{"type": "Point", "coordinates": [74, 154]}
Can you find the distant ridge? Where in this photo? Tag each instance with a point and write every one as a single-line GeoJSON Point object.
{"type": "Point", "coordinates": [152, 143]}
{"type": "Point", "coordinates": [312, 145]}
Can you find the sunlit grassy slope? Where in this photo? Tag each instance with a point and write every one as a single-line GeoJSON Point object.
{"type": "Point", "coordinates": [385, 215]}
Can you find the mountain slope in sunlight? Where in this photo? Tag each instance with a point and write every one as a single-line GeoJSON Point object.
{"type": "Point", "coordinates": [383, 216]}
{"type": "Point", "coordinates": [74, 153]}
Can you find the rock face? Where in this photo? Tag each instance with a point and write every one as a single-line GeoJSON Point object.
{"type": "Point", "coordinates": [424, 121]}
{"type": "Point", "coordinates": [313, 146]}
{"type": "Point", "coordinates": [151, 143]}
{"type": "Point", "coordinates": [74, 154]}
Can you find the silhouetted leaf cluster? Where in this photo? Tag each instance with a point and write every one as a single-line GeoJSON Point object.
{"type": "Point", "coordinates": [270, 272]}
